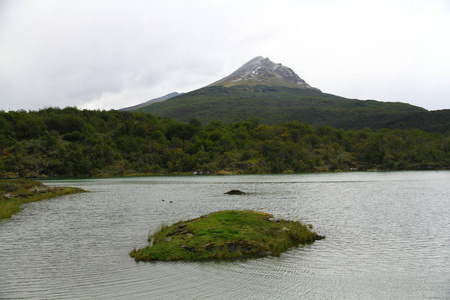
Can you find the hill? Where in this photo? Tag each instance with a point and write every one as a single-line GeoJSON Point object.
{"type": "Point", "coordinates": [276, 94]}
{"type": "Point", "coordinates": [277, 104]}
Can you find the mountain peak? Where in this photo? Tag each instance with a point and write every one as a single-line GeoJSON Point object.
{"type": "Point", "coordinates": [262, 71]}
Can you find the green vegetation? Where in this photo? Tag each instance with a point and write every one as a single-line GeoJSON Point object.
{"type": "Point", "coordinates": [14, 192]}
{"type": "Point", "coordinates": [77, 143]}
{"type": "Point", "coordinates": [277, 105]}
{"type": "Point", "coordinates": [224, 235]}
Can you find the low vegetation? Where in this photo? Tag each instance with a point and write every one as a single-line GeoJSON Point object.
{"type": "Point", "coordinates": [224, 235]}
{"type": "Point", "coordinates": [14, 193]}
{"type": "Point", "coordinates": [82, 143]}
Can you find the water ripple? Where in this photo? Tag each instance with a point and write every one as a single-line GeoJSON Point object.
{"type": "Point", "coordinates": [387, 237]}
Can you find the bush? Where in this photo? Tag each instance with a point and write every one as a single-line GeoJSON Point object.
{"type": "Point", "coordinates": [8, 187]}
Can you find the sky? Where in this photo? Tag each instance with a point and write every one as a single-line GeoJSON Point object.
{"type": "Point", "coordinates": [110, 54]}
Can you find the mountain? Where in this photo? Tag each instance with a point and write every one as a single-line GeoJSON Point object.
{"type": "Point", "coordinates": [262, 71]}
{"type": "Point", "coordinates": [276, 94]}
{"type": "Point", "coordinates": [163, 98]}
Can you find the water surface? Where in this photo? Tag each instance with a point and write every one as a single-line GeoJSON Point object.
{"type": "Point", "coordinates": [388, 236]}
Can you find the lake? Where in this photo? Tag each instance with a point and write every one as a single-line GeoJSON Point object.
{"type": "Point", "coordinates": [387, 237]}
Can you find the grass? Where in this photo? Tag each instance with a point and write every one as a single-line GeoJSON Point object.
{"type": "Point", "coordinates": [225, 235]}
{"type": "Point", "coordinates": [15, 192]}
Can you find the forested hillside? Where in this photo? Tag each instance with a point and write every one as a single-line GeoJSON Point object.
{"type": "Point", "coordinates": [278, 105]}
{"type": "Point", "coordinates": [70, 142]}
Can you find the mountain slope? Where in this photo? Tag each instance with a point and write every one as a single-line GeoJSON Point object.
{"type": "Point", "coordinates": [275, 94]}
{"type": "Point", "coordinates": [152, 101]}
{"type": "Point", "coordinates": [273, 105]}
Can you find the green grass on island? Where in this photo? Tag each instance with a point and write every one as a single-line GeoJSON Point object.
{"type": "Point", "coordinates": [14, 192]}
{"type": "Point", "coordinates": [225, 235]}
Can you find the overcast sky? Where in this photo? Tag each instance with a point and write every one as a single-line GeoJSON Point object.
{"type": "Point", "coordinates": [109, 54]}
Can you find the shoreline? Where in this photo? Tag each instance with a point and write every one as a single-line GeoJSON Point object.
{"type": "Point", "coordinates": [230, 174]}
{"type": "Point", "coordinates": [14, 193]}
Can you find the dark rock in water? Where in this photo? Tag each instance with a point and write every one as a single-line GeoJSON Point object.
{"type": "Point", "coordinates": [319, 237]}
{"type": "Point", "coordinates": [235, 192]}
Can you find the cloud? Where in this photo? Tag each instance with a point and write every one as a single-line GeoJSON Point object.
{"type": "Point", "coordinates": [113, 54]}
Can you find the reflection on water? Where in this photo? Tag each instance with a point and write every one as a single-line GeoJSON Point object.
{"type": "Point", "coordinates": [388, 236]}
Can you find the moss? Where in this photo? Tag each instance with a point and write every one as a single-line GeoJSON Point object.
{"type": "Point", "coordinates": [15, 192]}
{"type": "Point", "coordinates": [224, 235]}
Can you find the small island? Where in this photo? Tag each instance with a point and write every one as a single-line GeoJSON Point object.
{"type": "Point", "coordinates": [15, 192]}
{"type": "Point", "coordinates": [225, 235]}
{"type": "Point", "coordinates": [235, 192]}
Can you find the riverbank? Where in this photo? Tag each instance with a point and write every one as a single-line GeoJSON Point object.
{"type": "Point", "coordinates": [15, 192]}
{"type": "Point", "coordinates": [224, 235]}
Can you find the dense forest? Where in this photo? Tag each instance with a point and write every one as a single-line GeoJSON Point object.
{"type": "Point", "coordinates": [70, 142]}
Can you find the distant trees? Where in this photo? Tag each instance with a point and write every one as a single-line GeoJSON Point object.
{"type": "Point", "coordinates": [71, 142]}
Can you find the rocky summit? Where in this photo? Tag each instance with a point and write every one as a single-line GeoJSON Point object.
{"type": "Point", "coordinates": [262, 71]}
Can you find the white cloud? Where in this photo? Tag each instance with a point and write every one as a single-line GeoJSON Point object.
{"type": "Point", "coordinates": [112, 54]}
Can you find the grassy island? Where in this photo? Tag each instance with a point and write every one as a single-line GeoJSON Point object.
{"type": "Point", "coordinates": [223, 235]}
{"type": "Point", "coordinates": [14, 192]}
